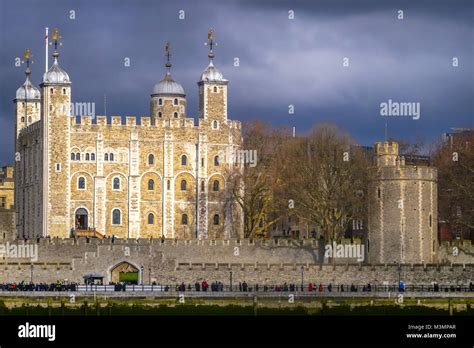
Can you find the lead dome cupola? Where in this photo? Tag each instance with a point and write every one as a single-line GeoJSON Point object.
{"type": "Point", "coordinates": [168, 86]}
{"type": "Point", "coordinates": [28, 91]}
{"type": "Point", "coordinates": [211, 73]}
{"type": "Point", "coordinates": [56, 74]}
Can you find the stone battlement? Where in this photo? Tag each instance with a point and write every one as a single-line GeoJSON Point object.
{"type": "Point", "coordinates": [31, 128]}
{"type": "Point", "coordinates": [145, 121]}
{"type": "Point", "coordinates": [407, 172]}
{"type": "Point", "coordinates": [386, 148]}
{"type": "Point", "coordinates": [296, 243]}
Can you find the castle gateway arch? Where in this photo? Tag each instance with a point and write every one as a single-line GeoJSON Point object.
{"type": "Point", "coordinates": [125, 272]}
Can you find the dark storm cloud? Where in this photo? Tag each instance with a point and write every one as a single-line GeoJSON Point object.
{"type": "Point", "coordinates": [282, 61]}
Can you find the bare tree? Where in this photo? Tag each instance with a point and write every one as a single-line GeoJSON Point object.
{"type": "Point", "coordinates": [455, 163]}
{"type": "Point", "coordinates": [327, 177]}
{"type": "Point", "coordinates": [253, 187]}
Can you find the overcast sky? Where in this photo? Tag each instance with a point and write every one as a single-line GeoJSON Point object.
{"type": "Point", "coordinates": [282, 61]}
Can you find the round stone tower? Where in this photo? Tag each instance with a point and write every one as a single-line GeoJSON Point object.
{"type": "Point", "coordinates": [168, 100]}
{"type": "Point", "coordinates": [403, 209]}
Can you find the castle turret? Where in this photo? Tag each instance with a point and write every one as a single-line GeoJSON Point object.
{"type": "Point", "coordinates": [27, 112]}
{"type": "Point", "coordinates": [212, 90]}
{"type": "Point", "coordinates": [27, 100]}
{"type": "Point", "coordinates": [402, 209]}
{"type": "Point", "coordinates": [168, 100]}
{"type": "Point", "coordinates": [387, 153]}
{"type": "Point", "coordinates": [56, 93]}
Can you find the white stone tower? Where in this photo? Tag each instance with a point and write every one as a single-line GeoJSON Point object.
{"type": "Point", "coordinates": [56, 121]}
{"type": "Point", "coordinates": [403, 209]}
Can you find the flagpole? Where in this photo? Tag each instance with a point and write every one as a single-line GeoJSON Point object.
{"type": "Point", "coordinates": [46, 49]}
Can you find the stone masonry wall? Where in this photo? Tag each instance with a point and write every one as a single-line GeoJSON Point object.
{"type": "Point", "coordinates": [188, 261]}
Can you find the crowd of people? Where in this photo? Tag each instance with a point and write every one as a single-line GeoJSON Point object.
{"type": "Point", "coordinates": [218, 286]}
{"type": "Point", "coordinates": [24, 286]}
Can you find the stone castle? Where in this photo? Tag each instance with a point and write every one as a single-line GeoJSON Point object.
{"type": "Point", "coordinates": [403, 209]}
{"type": "Point", "coordinates": [162, 178]}
{"type": "Point", "coordinates": [160, 188]}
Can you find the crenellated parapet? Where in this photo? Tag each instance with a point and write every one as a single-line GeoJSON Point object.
{"type": "Point", "coordinates": [33, 128]}
{"type": "Point", "coordinates": [145, 121]}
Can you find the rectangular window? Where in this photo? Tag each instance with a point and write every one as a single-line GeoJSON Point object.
{"type": "Point", "coordinates": [58, 167]}
{"type": "Point", "coordinates": [3, 202]}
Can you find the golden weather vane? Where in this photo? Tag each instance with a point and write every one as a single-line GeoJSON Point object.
{"type": "Point", "coordinates": [56, 37]}
{"type": "Point", "coordinates": [210, 43]}
{"type": "Point", "coordinates": [28, 57]}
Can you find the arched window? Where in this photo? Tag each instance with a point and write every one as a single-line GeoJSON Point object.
{"type": "Point", "coordinates": [51, 90]}
{"type": "Point", "coordinates": [175, 101]}
{"type": "Point", "coordinates": [202, 186]}
{"type": "Point", "coordinates": [184, 219]}
{"type": "Point", "coordinates": [160, 114]}
{"type": "Point", "coordinates": [160, 101]}
{"type": "Point", "coordinates": [215, 89]}
{"type": "Point", "coordinates": [78, 156]}
{"type": "Point", "coordinates": [64, 90]}
{"type": "Point", "coordinates": [23, 119]}
{"type": "Point", "coordinates": [81, 183]}
{"type": "Point", "coordinates": [175, 115]}
{"type": "Point", "coordinates": [106, 157]}
{"type": "Point", "coordinates": [216, 160]}
{"type": "Point", "coordinates": [29, 119]}
{"type": "Point", "coordinates": [168, 185]}
{"type": "Point", "coordinates": [216, 185]}
{"type": "Point", "coordinates": [151, 219]}
{"type": "Point", "coordinates": [216, 219]}
{"type": "Point", "coordinates": [92, 156]}
{"type": "Point", "coordinates": [116, 217]}
{"type": "Point", "coordinates": [151, 159]}
{"type": "Point", "coordinates": [184, 160]}
{"type": "Point", "coordinates": [151, 185]}
{"type": "Point", "coordinates": [88, 157]}
{"type": "Point", "coordinates": [116, 183]}
{"type": "Point", "coordinates": [378, 192]}
{"type": "Point", "coordinates": [214, 124]}
{"type": "Point", "coordinates": [73, 156]}
{"type": "Point", "coordinates": [111, 156]}
{"type": "Point", "coordinates": [183, 185]}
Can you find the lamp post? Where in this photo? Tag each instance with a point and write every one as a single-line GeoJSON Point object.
{"type": "Point", "coordinates": [399, 275]}
{"type": "Point", "coordinates": [141, 278]}
{"type": "Point", "coordinates": [149, 275]}
{"type": "Point", "coordinates": [31, 273]}
{"type": "Point", "coordinates": [230, 276]}
{"type": "Point", "coordinates": [302, 278]}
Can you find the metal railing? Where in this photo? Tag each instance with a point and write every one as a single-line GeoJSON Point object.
{"type": "Point", "coordinates": [239, 288]}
